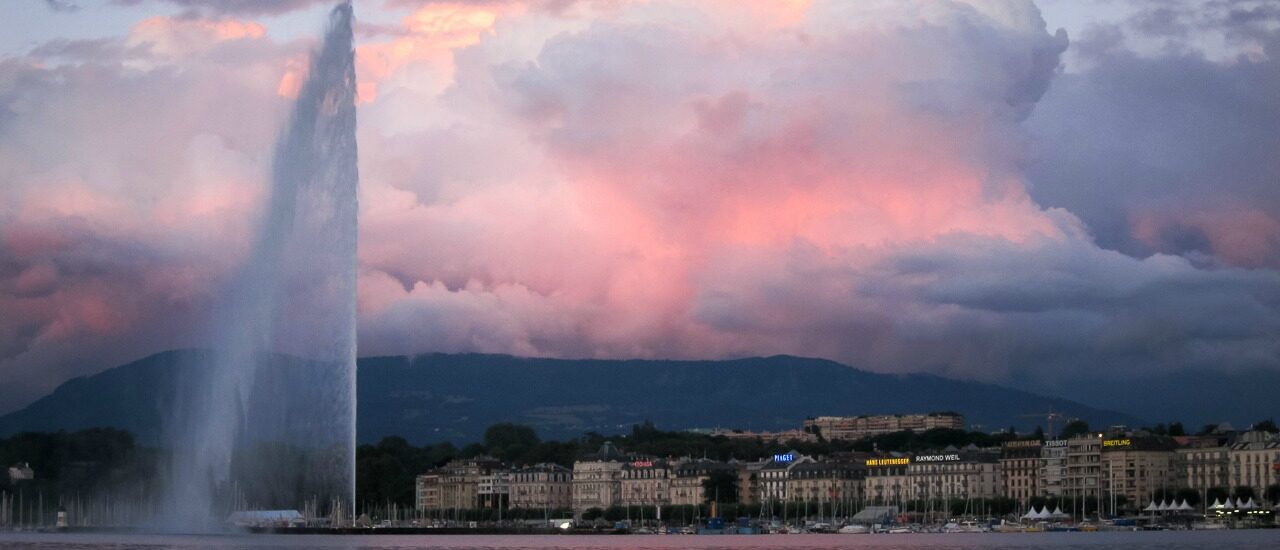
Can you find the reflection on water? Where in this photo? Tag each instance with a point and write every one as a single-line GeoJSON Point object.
{"type": "Point", "coordinates": [1168, 540]}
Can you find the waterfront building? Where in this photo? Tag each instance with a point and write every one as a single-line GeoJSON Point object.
{"type": "Point", "coordinates": [427, 494]}
{"type": "Point", "coordinates": [456, 485]}
{"type": "Point", "coordinates": [955, 474]}
{"type": "Point", "coordinates": [1020, 464]}
{"type": "Point", "coordinates": [773, 475]}
{"type": "Point", "coordinates": [542, 486]}
{"type": "Point", "coordinates": [1255, 462]}
{"type": "Point", "coordinates": [1203, 463]}
{"type": "Point", "coordinates": [835, 485]}
{"type": "Point", "coordinates": [1053, 468]}
{"type": "Point", "coordinates": [858, 427]}
{"type": "Point", "coordinates": [1083, 482]}
{"type": "Point", "coordinates": [645, 482]}
{"type": "Point", "coordinates": [1134, 467]}
{"type": "Point", "coordinates": [493, 490]}
{"type": "Point", "coordinates": [687, 487]}
{"type": "Point", "coordinates": [460, 484]}
{"type": "Point", "coordinates": [597, 479]}
{"type": "Point", "coordinates": [886, 482]}
{"type": "Point", "coordinates": [750, 486]}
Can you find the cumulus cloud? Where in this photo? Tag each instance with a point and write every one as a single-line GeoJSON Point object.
{"type": "Point", "coordinates": [238, 8]}
{"type": "Point", "coordinates": [903, 186]}
{"type": "Point", "coordinates": [1169, 152]}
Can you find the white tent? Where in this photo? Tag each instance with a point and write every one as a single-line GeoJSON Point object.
{"type": "Point", "coordinates": [1044, 513]}
{"type": "Point", "coordinates": [1231, 504]}
{"type": "Point", "coordinates": [1031, 513]}
{"type": "Point", "coordinates": [1151, 507]}
{"type": "Point", "coordinates": [1184, 507]}
{"type": "Point", "coordinates": [1249, 505]}
{"type": "Point", "coordinates": [1217, 505]}
{"type": "Point", "coordinates": [1164, 507]}
{"type": "Point", "coordinates": [1057, 513]}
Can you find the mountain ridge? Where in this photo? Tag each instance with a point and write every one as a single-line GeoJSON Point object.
{"type": "Point", "coordinates": [454, 397]}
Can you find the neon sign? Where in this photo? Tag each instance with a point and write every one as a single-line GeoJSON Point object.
{"type": "Point", "coordinates": [888, 461]}
{"type": "Point", "coordinates": [784, 457]}
{"type": "Point", "coordinates": [938, 458]}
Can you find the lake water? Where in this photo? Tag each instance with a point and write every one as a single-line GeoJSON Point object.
{"type": "Point", "coordinates": [1161, 540]}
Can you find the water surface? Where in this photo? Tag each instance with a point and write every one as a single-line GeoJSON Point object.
{"type": "Point", "coordinates": [1165, 540]}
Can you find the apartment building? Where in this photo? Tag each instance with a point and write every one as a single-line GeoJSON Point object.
{"type": "Point", "coordinates": [955, 474]}
{"type": "Point", "coordinates": [645, 482]}
{"type": "Point", "coordinates": [1203, 462]}
{"type": "Point", "coordinates": [542, 486]}
{"type": "Point", "coordinates": [690, 477]}
{"type": "Point", "coordinates": [831, 483]}
{"type": "Point", "coordinates": [597, 479]}
{"type": "Point", "coordinates": [858, 427]}
{"type": "Point", "coordinates": [427, 491]}
{"type": "Point", "coordinates": [886, 482]}
{"type": "Point", "coordinates": [1254, 461]}
{"type": "Point", "coordinates": [1020, 462]}
{"type": "Point", "coordinates": [1135, 467]}
{"type": "Point", "coordinates": [1083, 481]}
{"type": "Point", "coordinates": [1053, 468]}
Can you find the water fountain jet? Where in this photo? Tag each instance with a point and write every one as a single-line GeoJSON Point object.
{"type": "Point", "coordinates": [267, 419]}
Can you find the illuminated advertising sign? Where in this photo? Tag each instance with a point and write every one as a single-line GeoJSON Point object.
{"type": "Point", "coordinates": [1022, 443]}
{"type": "Point", "coordinates": [642, 464]}
{"type": "Point", "coordinates": [888, 461]}
{"type": "Point", "coordinates": [938, 458]}
{"type": "Point", "coordinates": [1115, 443]}
{"type": "Point", "coordinates": [1055, 443]}
{"type": "Point", "coordinates": [784, 458]}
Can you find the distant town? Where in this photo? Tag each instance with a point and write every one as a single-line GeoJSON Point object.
{"type": "Point", "coordinates": [831, 472]}
{"type": "Point", "coordinates": [1158, 474]}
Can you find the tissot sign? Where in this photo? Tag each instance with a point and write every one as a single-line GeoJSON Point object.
{"type": "Point", "coordinates": [938, 458]}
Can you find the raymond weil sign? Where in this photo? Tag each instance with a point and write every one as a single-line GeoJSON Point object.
{"type": "Point", "coordinates": [938, 458]}
{"type": "Point", "coordinates": [888, 461]}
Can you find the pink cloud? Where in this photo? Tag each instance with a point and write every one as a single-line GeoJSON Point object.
{"type": "Point", "coordinates": [616, 179]}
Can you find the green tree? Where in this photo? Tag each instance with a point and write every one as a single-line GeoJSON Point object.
{"type": "Point", "coordinates": [1192, 496]}
{"type": "Point", "coordinates": [1244, 492]}
{"type": "Point", "coordinates": [1217, 494]}
{"type": "Point", "coordinates": [1268, 425]}
{"type": "Point", "coordinates": [1075, 428]}
{"type": "Point", "coordinates": [720, 486]}
{"type": "Point", "coordinates": [1176, 430]}
{"type": "Point", "coordinates": [510, 442]}
{"type": "Point", "coordinates": [1273, 494]}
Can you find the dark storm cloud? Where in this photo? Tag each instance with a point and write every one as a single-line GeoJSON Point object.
{"type": "Point", "coordinates": [1169, 153]}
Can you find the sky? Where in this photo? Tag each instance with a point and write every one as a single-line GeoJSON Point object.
{"type": "Point", "coordinates": [1011, 192]}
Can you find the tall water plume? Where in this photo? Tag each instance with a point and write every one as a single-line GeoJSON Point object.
{"type": "Point", "coordinates": [267, 419]}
